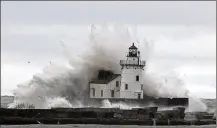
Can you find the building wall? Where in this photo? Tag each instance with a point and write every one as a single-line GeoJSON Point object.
{"type": "Point", "coordinates": [98, 88]}
{"type": "Point", "coordinates": [106, 88]}
{"type": "Point", "coordinates": [134, 87]}
{"type": "Point", "coordinates": [128, 77]}
{"type": "Point", "coordinates": [112, 86]}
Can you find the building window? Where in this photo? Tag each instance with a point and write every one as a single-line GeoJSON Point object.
{"type": "Point", "coordinates": [137, 78]}
{"type": "Point", "coordinates": [112, 93]}
{"type": "Point", "coordinates": [93, 91]}
{"type": "Point", "coordinates": [117, 83]}
{"type": "Point", "coordinates": [126, 86]}
{"type": "Point", "coordinates": [101, 93]}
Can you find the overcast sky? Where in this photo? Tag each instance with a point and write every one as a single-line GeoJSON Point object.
{"type": "Point", "coordinates": [184, 36]}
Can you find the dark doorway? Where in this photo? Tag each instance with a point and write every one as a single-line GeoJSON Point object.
{"type": "Point", "coordinates": [139, 96]}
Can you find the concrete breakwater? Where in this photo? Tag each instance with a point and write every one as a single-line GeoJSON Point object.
{"type": "Point", "coordinates": [115, 116]}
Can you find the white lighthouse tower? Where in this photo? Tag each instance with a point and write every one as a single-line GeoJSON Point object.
{"type": "Point", "coordinates": [131, 76]}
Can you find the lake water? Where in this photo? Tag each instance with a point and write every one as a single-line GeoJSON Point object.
{"type": "Point", "coordinates": [101, 126]}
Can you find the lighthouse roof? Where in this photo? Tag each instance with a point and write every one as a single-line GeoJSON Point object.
{"type": "Point", "coordinates": [133, 47]}
{"type": "Point", "coordinates": [104, 77]}
{"type": "Point", "coordinates": [105, 81]}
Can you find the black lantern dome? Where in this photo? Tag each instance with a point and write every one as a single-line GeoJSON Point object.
{"type": "Point", "coordinates": [133, 51]}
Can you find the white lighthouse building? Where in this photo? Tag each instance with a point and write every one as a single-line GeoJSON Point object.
{"type": "Point", "coordinates": [127, 85]}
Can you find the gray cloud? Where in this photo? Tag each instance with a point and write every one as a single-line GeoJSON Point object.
{"type": "Point", "coordinates": [142, 12]}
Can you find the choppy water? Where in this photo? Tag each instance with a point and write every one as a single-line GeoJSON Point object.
{"type": "Point", "coordinates": [101, 126]}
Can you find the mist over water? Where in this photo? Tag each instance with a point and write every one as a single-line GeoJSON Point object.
{"type": "Point", "coordinates": [61, 86]}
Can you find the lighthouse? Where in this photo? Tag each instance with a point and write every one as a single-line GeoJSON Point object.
{"type": "Point", "coordinates": [131, 76]}
{"type": "Point", "coordinates": [127, 85]}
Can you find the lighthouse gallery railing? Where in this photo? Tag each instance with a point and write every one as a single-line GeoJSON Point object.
{"type": "Point", "coordinates": [132, 62]}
